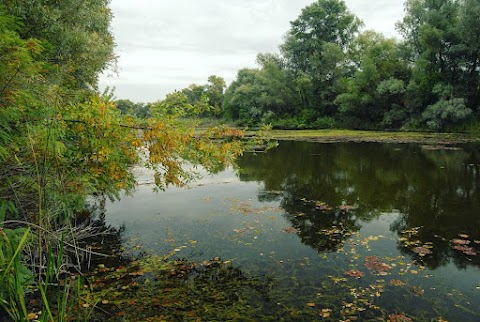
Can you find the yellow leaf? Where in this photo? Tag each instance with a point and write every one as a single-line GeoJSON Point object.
{"type": "Point", "coordinates": [325, 313]}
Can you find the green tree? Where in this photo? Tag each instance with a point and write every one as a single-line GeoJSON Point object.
{"type": "Point", "coordinates": [75, 36]}
{"type": "Point", "coordinates": [315, 48]}
{"type": "Point", "coordinates": [215, 89]}
{"type": "Point", "coordinates": [322, 22]}
{"type": "Point", "coordinates": [139, 110]}
{"type": "Point", "coordinates": [241, 98]}
{"type": "Point", "coordinates": [262, 95]}
{"type": "Point", "coordinates": [61, 140]}
{"type": "Point", "coordinates": [443, 42]}
{"type": "Point", "coordinates": [374, 95]}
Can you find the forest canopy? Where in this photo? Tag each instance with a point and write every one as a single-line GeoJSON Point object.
{"type": "Point", "coordinates": [332, 73]}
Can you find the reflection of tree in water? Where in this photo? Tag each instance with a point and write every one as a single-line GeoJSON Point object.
{"type": "Point", "coordinates": [103, 238]}
{"type": "Point", "coordinates": [433, 188]}
{"type": "Point", "coordinates": [317, 225]}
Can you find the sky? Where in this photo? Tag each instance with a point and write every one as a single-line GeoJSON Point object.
{"type": "Point", "coordinates": [165, 45]}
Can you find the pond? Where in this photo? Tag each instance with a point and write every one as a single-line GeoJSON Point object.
{"type": "Point", "coordinates": [346, 230]}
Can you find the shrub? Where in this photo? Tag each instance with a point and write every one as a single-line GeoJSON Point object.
{"type": "Point", "coordinates": [446, 111]}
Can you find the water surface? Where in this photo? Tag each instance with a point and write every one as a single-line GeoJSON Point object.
{"type": "Point", "coordinates": [347, 227]}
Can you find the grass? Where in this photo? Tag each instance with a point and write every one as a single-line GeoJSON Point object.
{"type": "Point", "coordinates": [330, 136]}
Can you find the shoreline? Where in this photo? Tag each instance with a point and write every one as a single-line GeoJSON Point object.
{"type": "Point", "coordinates": [339, 136]}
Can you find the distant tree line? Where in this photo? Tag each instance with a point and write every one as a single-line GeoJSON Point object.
{"type": "Point", "coordinates": [332, 74]}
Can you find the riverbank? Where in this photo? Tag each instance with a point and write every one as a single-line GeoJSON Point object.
{"type": "Point", "coordinates": [334, 136]}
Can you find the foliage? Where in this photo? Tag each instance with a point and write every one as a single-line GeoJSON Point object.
{"type": "Point", "coordinates": [322, 23]}
{"type": "Point", "coordinates": [444, 112]}
{"type": "Point", "coordinates": [377, 87]}
{"type": "Point", "coordinates": [330, 69]}
{"type": "Point", "coordinates": [210, 96]}
{"type": "Point", "coordinates": [75, 36]}
{"type": "Point", "coordinates": [14, 275]}
{"type": "Point", "coordinates": [61, 140]}
{"type": "Point", "coordinates": [139, 110]}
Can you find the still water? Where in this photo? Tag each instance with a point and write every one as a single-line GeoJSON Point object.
{"type": "Point", "coordinates": [350, 229]}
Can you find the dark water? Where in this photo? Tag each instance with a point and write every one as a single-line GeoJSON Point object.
{"type": "Point", "coordinates": [347, 227]}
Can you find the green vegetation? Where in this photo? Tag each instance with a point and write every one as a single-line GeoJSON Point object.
{"type": "Point", "coordinates": [333, 74]}
{"type": "Point", "coordinates": [371, 136]}
{"type": "Point", "coordinates": [62, 141]}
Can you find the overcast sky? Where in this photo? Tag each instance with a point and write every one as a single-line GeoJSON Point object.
{"type": "Point", "coordinates": [165, 45]}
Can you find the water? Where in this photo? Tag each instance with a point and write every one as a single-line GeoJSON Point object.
{"type": "Point", "coordinates": [363, 230]}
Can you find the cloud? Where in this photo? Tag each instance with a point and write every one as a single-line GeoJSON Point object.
{"type": "Point", "coordinates": [167, 45]}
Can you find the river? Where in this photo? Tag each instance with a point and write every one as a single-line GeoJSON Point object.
{"type": "Point", "coordinates": [345, 228]}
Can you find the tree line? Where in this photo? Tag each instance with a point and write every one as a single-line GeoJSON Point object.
{"type": "Point", "coordinates": [330, 73]}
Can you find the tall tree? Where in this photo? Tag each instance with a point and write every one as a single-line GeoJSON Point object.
{"type": "Point", "coordinates": [322, 22]}
{"type": "Point", "coordinates": [374, 95]}
{"type": "Point", "coordinates": [443, 44]}
{"type": "Point", "coordinates": [315, 48]}
{"type": "Point", "coordinates": [215, 89]}
{"type": "Point", "coordinates": [75, 35]}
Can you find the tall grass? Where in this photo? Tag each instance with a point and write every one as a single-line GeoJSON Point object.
{"type": "Point", "coordinates": [13, 274]}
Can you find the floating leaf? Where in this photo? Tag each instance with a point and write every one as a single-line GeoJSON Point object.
{"type": "Point", "coordinates": [325, 313]}
{"type": "Point", "coordinates": [460, 241]}
{"type": "Point", "coordinates": [346, 208]}
{"type": "Point", "coordinates": [355, 273]}
{"type": "Point", "coordinates": [374, 264]}
{"type": "Point", "coordinates": [397, 283]}
{"type": "Point", "coordinates": [291, 230]}
{"type": "Point", "coordinates": [422, 251]}
{"type": "Point", "coordinates": [399, 318]}
{"type": "Point", "coordinates": [466, 250]}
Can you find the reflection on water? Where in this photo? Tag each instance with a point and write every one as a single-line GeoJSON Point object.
{"type": "Point", "coordinates": [308, 213]}
{"type": "Point", "coordinates": [432, 188]}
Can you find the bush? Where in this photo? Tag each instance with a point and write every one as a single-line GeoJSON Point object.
{"type": "Point", "coordinates": [446, 112]}
{"type": "Point", "coordinates": [324, 123]}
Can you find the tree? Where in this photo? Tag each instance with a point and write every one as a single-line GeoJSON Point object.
{"type": "Point", "coordinates": [444, 44]}
{"type": "Point", "coordinates": [262, 95]}
{"type": "Point", "coordinates": [324, 21]}
{"type": "Point", "coordinates": [315, 48]}
{"type": "Point", "coordinates": [241, 98]}
{"type": "Point", "coordinates": [62, 141]}
{"type": "Point", "coordinates": [139, 110]}
{"type": "Point", "coordinates": [215, 90]}
{"type": "Point", "coordinates": [374, 94]}
{"type": "Point", "coordinates": [75, 36]}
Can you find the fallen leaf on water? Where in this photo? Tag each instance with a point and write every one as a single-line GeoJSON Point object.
{"type": "Point", "coordinates": [291, 230]}
{"type": "Point", "coordinates": [399, 318]}
{"type": "Point", "coordinates": [355, 273]}
{"type": "Point", "coordinates": [466, 250]}
{"type": "Point", "coordinates": [422, 251]}
{"type": "Point", "coordinates": [460, 241]}
{"type": "Point", "coordinates": [397, 283]}
{"type": "Point", "coordinates": [417, 290]}
{"type": "Point", "coordinates": [325, 313]}
{"type": "Point", "coordinates": [346, 208]}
